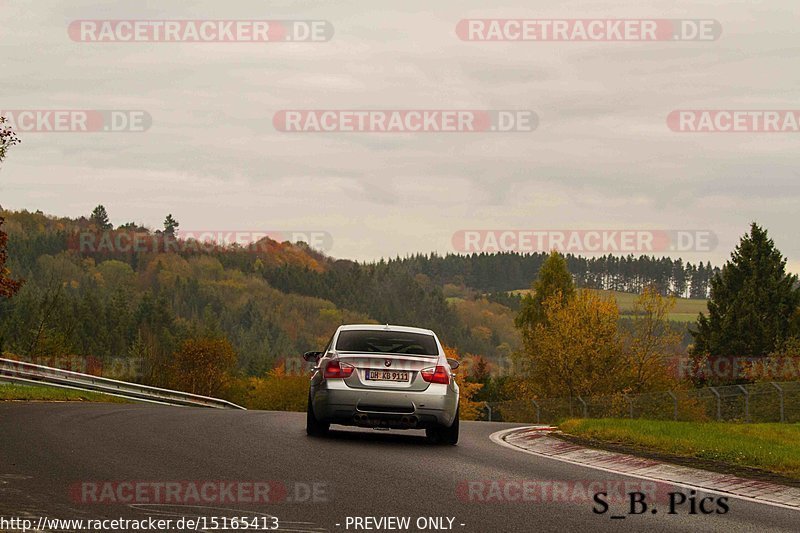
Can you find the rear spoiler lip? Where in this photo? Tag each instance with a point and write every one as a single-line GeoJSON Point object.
{"type": "Point", "coordinates": [383, 355]}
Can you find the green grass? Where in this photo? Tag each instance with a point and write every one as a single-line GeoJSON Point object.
{"type": "Point", "coordinates": [771, 447]}
{"type": "Point", "coordinates": [625, 301]}
{"type": "Point", "coordinates": [13, 391]}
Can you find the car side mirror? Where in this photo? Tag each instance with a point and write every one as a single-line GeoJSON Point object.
{"type": "Point", "coordinates": [453, 363]}
{"type": "Point", "coordinates": [312, 356]}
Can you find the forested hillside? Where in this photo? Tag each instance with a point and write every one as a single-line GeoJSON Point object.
{"type": "Point", "coordinates": [272, 302]}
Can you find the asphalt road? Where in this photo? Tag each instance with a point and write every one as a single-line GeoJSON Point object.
{"type": "Point", "coordinates": [45, 449]}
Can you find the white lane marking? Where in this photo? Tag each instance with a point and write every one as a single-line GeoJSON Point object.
{"type": "Point", "coordinates": [497, 438]}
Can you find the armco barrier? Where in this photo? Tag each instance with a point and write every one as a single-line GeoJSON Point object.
{"type": "Point", "coordinates": [22, 372]}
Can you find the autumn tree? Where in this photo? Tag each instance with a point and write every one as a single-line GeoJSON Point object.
{"type": "Point", "coordinates": [278, 390]}
{"type": "Point", "coordinates": [8, 138]}
{"type": "Point", "coordinates": [480, 370]}
{"type": "Point", "coordinates": [468, 409]}
{"type": "Point", "coordinates": [554, 281]}
{"type": "Point", "coordinates": [202, 366]}
{"type": "Point", "coordinates": [650, 342]}
{"type": "Point", "coordinates": [575, 350]}
{"type": "Point", "coordinates": [8, 286]}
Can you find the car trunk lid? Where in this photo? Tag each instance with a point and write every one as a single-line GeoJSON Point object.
{"type": "Point", "coordinates": [382, 371]}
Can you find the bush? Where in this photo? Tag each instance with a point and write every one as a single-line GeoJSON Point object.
{"type": "Point", "coordinates": [202, 366]}
{"type": "Point", "coordinates": [277, 391]}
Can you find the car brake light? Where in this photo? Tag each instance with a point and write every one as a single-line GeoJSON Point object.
{"type": "Point", "coordinates": [335, 369]}
{"type": "Point", "coordinates": [436, 375]}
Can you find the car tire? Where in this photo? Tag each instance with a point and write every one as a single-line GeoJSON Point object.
{"type": "Point", "coordinates": [315, 428]}
{"type": "Point", "coordinates": [444, 435]}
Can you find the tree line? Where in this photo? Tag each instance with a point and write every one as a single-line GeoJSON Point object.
{"type": "Point", "coordinates": [507, 271]}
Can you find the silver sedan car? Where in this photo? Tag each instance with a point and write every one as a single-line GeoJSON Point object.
{"type": "Point", "coordinates": [384, 377]}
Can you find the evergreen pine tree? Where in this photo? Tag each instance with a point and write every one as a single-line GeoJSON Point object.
{"type": "Point", "coordinates": [752, 301]}
{"type": "Point", "coordinates": [100, 218]}
{"type": "Point", "coordinates": [553, 277]}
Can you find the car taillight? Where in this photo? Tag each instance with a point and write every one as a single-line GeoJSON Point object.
{"type": "Point", "coordinates": [335, 369]}
{"type": "Point", "coordinates": [436, 375]}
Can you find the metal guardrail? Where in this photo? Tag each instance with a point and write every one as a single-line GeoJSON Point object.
{"type": "Point", "coordinates": [22, 372]}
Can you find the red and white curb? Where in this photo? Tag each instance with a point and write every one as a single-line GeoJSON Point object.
{"type": "Point", "coordinates": [535, 440]}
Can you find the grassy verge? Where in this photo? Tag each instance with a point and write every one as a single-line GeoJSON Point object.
{"type": "Point", "coordinates": [771, 447]}
{"type": "Point", "coordinates": [13, 391]}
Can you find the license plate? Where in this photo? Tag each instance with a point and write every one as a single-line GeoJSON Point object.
{"type": "Point", "coordinates": [386, 375]}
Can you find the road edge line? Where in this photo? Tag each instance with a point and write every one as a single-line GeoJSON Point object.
{"type": "Point", "coordinates": [497, 438]}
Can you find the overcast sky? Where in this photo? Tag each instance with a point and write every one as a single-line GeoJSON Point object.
{"type": "Point", "coordinates": [602, 156]}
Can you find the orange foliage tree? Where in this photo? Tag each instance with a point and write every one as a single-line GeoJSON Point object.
{"type": "Point", "coordinates": [202, 366]}
{"type": "Point", "coordinates": [469, 410]}
{"type": "Point", "coordinates": [575, 349]}
{"type": "Point", "coordinates": [8, 286]}
{"type": "Point", "coordinates": [279, 390]}
{"type": "Point", "coordinates": [651, 342]}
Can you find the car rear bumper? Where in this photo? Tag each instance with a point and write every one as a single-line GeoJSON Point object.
{"type": "Point", "coordinates": [337, 403]}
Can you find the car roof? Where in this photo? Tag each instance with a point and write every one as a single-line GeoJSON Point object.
{"type": "Point", "coordinates": [384, 327]}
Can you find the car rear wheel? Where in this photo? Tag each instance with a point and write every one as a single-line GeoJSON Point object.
{"type": "Point", "coordinates": [444, 435]}
{"type": "Point", "coordinates": [314, 427]}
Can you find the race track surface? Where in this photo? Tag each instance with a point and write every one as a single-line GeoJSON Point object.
{"type": "Point", "coordinates": [49, 452]}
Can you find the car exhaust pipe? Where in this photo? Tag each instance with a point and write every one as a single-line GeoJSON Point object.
{"type": "Point", "coordinates": [409, 421]}
{"type": "Point", "coordinates": [405, 422]}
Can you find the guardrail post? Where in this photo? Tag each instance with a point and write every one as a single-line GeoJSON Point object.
{"type": "Point", "coordinates": [585, 410]}
{"type": "Point", "coordinates": [538, 412]}
{"type": "Point", "coordinates": [780, 392]}
{"type": "Point", "coordinates": [488, 410]}
{"type": "Point", "coordinates": [746, 402]}
{"type": "Point", "coordinates": [675, 404]}
{"type": "Point", "coordinates": [23, 372]}
{"type": "Point", "coordinates": [719, 403]}
{"type": "Point", "coordinates": [630, 405]}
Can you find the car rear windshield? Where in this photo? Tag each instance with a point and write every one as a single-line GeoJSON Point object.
{"type": "Point", "coordinates": [386, 342]}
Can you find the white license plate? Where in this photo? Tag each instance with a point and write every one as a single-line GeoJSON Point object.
{"type": "Point", "coordinates": [386, 375]}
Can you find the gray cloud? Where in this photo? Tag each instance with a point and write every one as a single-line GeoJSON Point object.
{"type": "Point", "coordinates": [601, 157]}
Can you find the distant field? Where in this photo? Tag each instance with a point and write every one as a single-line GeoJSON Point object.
{"type": "Point", "coordinates": [13, 391]}
{"type": "Point", "coordinates": [685, 310]}
{"type": "Point", "coordinates": [675, 317]}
